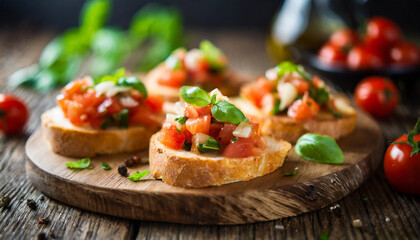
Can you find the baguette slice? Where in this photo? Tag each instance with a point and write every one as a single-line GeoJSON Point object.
{"type": "Point", "coordinates": [171, 94]}
{"type": "Point", "coordinates": [185, 169]}
{"type": "Point", "coordinates": [284, 127]}
{"type": "Point", "coordinates": [72, 141]}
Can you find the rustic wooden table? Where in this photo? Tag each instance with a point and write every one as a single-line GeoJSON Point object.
{"type": "Point", "coordinates": [383, 212]}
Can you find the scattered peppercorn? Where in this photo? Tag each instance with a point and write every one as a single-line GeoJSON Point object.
{"type": "Point", "coordinates": [5, 201]}
{"type": "Point", "coordinates": [31, 204]}
{"type": "Point", "coordinates": [122, 170]}
{"type": "Point", "coordinates": [42, 236]}
{"type": "Point", "coordinates": [132, 160]}
{"type": "Point", "coordinates": [42, 198]}
{"type": "Point", "coordinates": [43, 220]}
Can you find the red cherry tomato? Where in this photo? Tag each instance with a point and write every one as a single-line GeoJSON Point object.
{"type": "Point", "coordinates": [364, 57]}
{"type": "Point", "coordinates": [401, 169]}
{"type": "Point", "coordinates": [382, 33]}
{"type": "Point", "coordinates": [377, 95]}
{"type": "Point", "coordinates": [13, 114]}
{"type": "Point", "coordinates": [344, 38]}
{"type": "Point", "coordinates": [405, 54]}
{"type": "Point", "coordinates": [332, 55]}
{"type": "Point", "coordinates": [303, 109]}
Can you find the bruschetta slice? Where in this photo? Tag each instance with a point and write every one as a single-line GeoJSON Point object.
{"type": "Point", "coordinates": [209, 142]}
{"type": "Point", "coordinates": [112, 114]}
{"type": "Point", "coordinates": [206, 67]}
{"type": "Point", "coordinates": [288, 102]}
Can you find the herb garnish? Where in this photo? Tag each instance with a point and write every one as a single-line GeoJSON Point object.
{"type": "Point", "coordinates": [181, 119]}
{"type": "Point", "coordinates": [287, 174]}
{"type": "Point", "coordinates": [317, 148]}
{"type": "Point", "coordinates": [325, 234]}
{"type": "Point", "coordinates": [222, 110]}
{"type": "Point", "coordinates": [79, 164]}
{"type": "Point", "coordinates": [234, 139]}
{"type": "Point", "coordinates": [212, 55]}
{"type": "Point", "coordinates": [211, 145]}
{"type": "Point", "coordinates": [138, 175]}
{"type": "Point", "coordinates": [410, 139]}
{"type": "Point", "coordinates": [105, 166]}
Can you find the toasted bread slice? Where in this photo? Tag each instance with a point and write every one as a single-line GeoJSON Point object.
{"type": "Point", "coordinates": [284, 127]}
{"type": "Point", "coordinates": [186, 169]}
{"type": "Point", "coordinates": [171, 94]}
{"type": "Point", "coordinates": [72, 141]}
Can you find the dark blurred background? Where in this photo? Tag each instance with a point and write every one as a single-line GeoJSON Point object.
{"type": "Point", "coordinates": [60, 14]}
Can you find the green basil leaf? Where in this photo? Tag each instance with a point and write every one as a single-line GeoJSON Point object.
{"type": "Point", "coordinates": [224, 111]}
{"type": "Point", "coordinates": [181, 120]}
{"type": "Point", "coordinates": [122, 118]}
{"type": "Point", "coordinates": [213, 99]}
{"type": "Point", "coordinates": [173, 62]}
{"type": "Point", "coordinates": [212, 54]}
{"type": "Point", "coordinates": [195, 96]}
{"type": "Point", "coordinates": [286, 67]}
{"type": "Point", "coordinates": [234, 139]}
{"type": "Point", "coordinates": [79, 164]}
{"type": "Point", "coordinates": [23, 76]}
{"type": "Point", "coordinates": [134, 83]}
{"type": "Point", "coordinates": [287, 174]}
{"type": "Point", "coordinates": [138, 175]}
{"type": "Point", "coordinates": [325, 235]}
{"type": "Point", "coordinates": [320, 95]}
{"type": "Point", "coordinates": [114, 78]}
{"type": "Point", "coordinates": [93, 16]}
{"type": "Point", "coordinates": [317, 148]}
{"type": "Point", "coordinates": [211, 145]}
{"type": "Point", "coordinates": [105, 166]}
{"type": "Point", "coordinates": [276, 108]}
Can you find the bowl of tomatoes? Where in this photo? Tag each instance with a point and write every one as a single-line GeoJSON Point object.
{"type": "Point", "coordinates": [348, 56]}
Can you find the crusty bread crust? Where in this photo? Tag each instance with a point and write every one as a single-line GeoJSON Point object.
{"type": "Point", "coordinates": [71, 141]}
{"type": "Point", "coordinates": [283, 127]}
{"type": "Point", "coordinates": [185, 169]}
{"type": "Point", "coordinates": [229, 88]}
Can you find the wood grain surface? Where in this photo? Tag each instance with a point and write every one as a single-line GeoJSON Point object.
{"type": "Point", "coordinates": [373, 203]}
{"type": "Point", "coordinates": [265, 198]}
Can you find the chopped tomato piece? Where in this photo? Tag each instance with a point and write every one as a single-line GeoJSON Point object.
{"type": "Point", "coordinates": [301, 85]}
{"type": "Point", "coordinates": [198, 125]}
{"type": "Point", "coordinates": [226, 133]}
{"type": "Point", "coordinates": [203, 111]}
{"type": "Point", "coordinates": [190, 111]}
{"type": "Point", "coordinates": [317, 82]}
{"type": "Point", "coordinates": [256, 91]}
{"type": "Point", "coordinates": [76, 86]}
{"type": "Point", "coordinates": [142, 115]}
{"type": "Point", "coordinates": [155, 103]}
{"type": "Point", "coordinates": [243, 147]}
{"type": "Point", "coordinates": [303, 109]}
{"type": "Point", "coordinates": [215, 129]}
{"type": "Point", "coordinates": [170, 137]}
{"type": "Point", "coordinates": [267, 103]}
{"type": "Point", "coordinates": [75, 113]}
{"type": "Point", "coordinates": [172, 78]}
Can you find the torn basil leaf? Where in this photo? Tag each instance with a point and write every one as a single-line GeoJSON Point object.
{"type": "Point", "coordinates": [317, 148]}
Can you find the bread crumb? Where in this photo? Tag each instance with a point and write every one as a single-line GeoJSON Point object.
{"type": "Point", "coordinates": [357, 223]}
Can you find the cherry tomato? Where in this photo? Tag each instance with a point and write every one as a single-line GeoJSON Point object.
{"type": "Point", "coordinates": [13, 114]}
{"type": "Point", "coordinates": [303, 109]}
{"type": "Point", "coordinates": [382, 33]}
{"type": "Point", "coordinates": [401, 169]}
{"type": "Point", "coordinates": [344, 38]}
{"type": "Point", "coordinates": [198, 125]}
{"type": "Point", "coordinates": [377, 95]}
{"type": "Point", "coordinates": [405, 54]}
{"type": "Point", "coordinates": [332, 55]}
{"type": "Point", "coordinates": [170, 137]}
{"type": "Point", "coordinates": [365, 57]}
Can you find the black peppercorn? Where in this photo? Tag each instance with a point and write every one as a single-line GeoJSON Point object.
{"type": "Point", "coordinates": [122, 170]}
{"type": "Point", "coordinates": [132, 160]}
{"type": "Point", "coordinates": [42, 236]}
{"type": "Point", "coordinates": [5, 201]}
{"type": "Point", "coordinates": [31, 204]}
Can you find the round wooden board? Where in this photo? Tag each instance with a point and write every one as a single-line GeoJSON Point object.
{"type": "Point", "coordinates": [265, 198]}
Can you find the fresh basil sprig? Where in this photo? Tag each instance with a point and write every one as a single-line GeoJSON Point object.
{"type": "Point", "coordinates": [79, 164]}
{"type": "Point", "coordinates": [138, 175]}
{"type": "Point", "coordinates": [134, 83]}
{"type": "Point", "coordinates": [211, 145]}
{"type": "Point", "coordinates": [227, 112]}
{"type": "Point", "coordinates": [222, 110]}
{"type": "Point", "coordinates": [212, 55]}
{"type": "Point", "coordinates": [195, 96]}
{"type": "Point", "coordinates": [317, 148]}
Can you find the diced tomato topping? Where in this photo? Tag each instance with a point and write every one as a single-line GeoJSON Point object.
{"type": "Point", "coordinates": [172, 78]}
{"type": "Point", "coordinates": [301, 85]}
{"type": "Point", "coordinates": [226, 134]}
{"type": "Point", "coordinates": [155, 103]}
{"type": "Point", "coordinates": [215, 129]}
{"type": "Point", "coordinates": [203, 111]}
{"type": "Point", "coordinates": [170, 137]}
{"type": "Point", "coordinates": [256, 91]}
{"type": "Point", "coordinates": [198, 125]}
{"type": "Point", "coordinates": [317, 82]}
{"type": "Point", "coordinates": [75, 113]}
{"type": "Point", "coordinates": [243, 147]}
{"type": "Point", "coordinates": [142, 115]}
{"type": "Point", "coordinates": [76, 86]}
{"type": "Point", "coordinates": [303, 109]}
{"type": "Point", "coordinates": [267, 103]}
{"type": "Point", "coordinates": [190, 111]}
